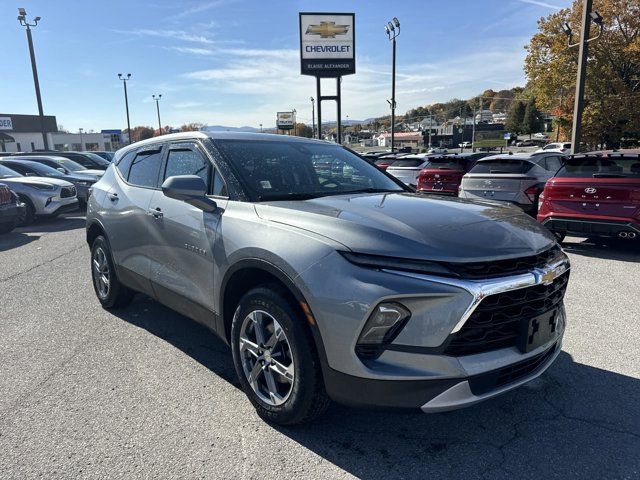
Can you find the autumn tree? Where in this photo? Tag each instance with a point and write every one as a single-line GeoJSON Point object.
{"type": "Point", "coordinates": [612, 93]}
{"type": "Point", "coordinates": [140, 133]}
{"type": "Point", "coordinates": [532, 121]}
{"type": "Point", "coordinates": [191, 127]}
{"type": "Point", "coordinates": [304, 130]}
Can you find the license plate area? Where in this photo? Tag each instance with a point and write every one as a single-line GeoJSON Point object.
{"type": "Point", "coordinates": [538, 330]}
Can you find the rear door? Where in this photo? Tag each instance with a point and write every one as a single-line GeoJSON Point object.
{"type": "Point", "coordinates": [126, 217]}
{"type": "Point", "coordinates": [183, 236]}
{"type": "Point", "coordinates": [498, 179]}
{"type": "Point", "coordinates": [407, 169]}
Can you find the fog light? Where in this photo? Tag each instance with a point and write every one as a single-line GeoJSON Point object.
{"type": "Point", "coordinates": [384, 324]}
{"type": "Point", "coordinates": [49, 200]}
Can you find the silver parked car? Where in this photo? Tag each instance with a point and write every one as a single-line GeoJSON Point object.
{"type": "Point", "coordinates": [42, 196]}
{"type": "Point", "coordinates": [328, 278]}
{"type": "Point", "coordinates": [407, 169]}
{"type": "Point", "coordinates": [518, 179]}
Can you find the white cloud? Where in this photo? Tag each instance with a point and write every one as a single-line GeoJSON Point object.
{"type": "Point", "coordinates": [203, 7]}
{"type": "Point", "coordinates": [192, 50]}
{"type": "Point", "coordinates": [172, 34]}
{"type": "Point", "coordinates": [541, 4]}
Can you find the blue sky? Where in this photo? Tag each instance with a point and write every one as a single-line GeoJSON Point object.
{"type": "Point", "coordinates": [236, 62]}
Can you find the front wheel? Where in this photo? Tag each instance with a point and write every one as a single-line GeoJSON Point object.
{"type": "Point", "coordinates": [275, 358]}
{"type": "Point", "coordinates": [110, 292]}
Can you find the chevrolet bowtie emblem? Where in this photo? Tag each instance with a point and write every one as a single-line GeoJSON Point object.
{"type": "Point", "coordinates": [327, 29]}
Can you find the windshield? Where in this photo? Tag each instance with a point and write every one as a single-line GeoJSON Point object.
{"type": "Point", "coordinates": [448, 163]}
{"type": "Point", "coordinates": [502, 165]}
{"type": "Point", "coordinates": [600, 167]}
{"type": "Point", "coordinates": [43, 170]}
{"type": "Point", "coordinates": [8, 173]}
{"type": "Point", "coordinates": [408, 162]}
{"type": "Point", "coordinates": [287, 170]}
{"type": "Point", "coordinates": [97, 159]}
{"type": "Point", "coordinates": [70, 164]}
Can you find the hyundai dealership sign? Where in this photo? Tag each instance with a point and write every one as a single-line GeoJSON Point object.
{"type": "Point", "coordinates": [327, 44]}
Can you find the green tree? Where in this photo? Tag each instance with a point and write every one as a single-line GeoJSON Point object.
{"type": "Point", "coordinates": [515, 117]}
{"type": "Point", "coordinates": [532, 121]}
{"type": "Point", "coordinates": [304, 130]}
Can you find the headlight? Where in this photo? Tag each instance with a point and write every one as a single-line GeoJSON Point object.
{"type": "Point", "coordinates": [384, 324]}
{"type": "Point", "coordinates": [41, 186]}
{"type": "Point", "coordinates": [404, 264]}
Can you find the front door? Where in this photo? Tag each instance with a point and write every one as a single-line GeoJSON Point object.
{"type": "Point", "coordinates": [183, 236]}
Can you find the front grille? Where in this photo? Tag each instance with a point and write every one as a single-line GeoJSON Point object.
{"type": "Point", "coordinates": [68, 192]}
{"type": "Point", "coordinates": [5, 195]}
{"type": "Point", "coordinates": [497, 320]}
{"type": "Point", "coordinates": [500, 268]}
{"type": "Point", "coordinates": [489, 381]}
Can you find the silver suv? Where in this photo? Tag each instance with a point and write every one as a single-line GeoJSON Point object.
{"type": "Point", "coordinates": [326, 276]}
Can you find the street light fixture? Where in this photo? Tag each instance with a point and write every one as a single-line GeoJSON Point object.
{"type": "Point", "coordinates": [393, 30]}
{"type": "Point", "coordinates": [125, 79]}
{"type": "Point", "coordinates": [157, 99]}
{"type": "Point", "coordinates": [588, 16]}
{"type": "Point", "coordinates": [22, 18]}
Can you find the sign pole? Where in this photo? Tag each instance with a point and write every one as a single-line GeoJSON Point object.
{"type": "Point", "coordinates": [319, 97]}
{"type": "Point", "coordinates": [338, 101]}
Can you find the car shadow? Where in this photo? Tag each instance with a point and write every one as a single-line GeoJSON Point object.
{"type": "Point", "coordinates": [21, 236]}
{"type": "Point", "coordinates": [609, 249]}
{"type": "Point", "coordinates": [14, 239]}
{"type": "Point", "coordinates": [575, 421]}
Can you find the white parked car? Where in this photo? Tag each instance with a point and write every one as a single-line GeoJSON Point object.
{"type": "Point", "coordinates": [406, 169]}
{"type": "Point", "coordinates": [437, 150]}
{"type": "Point", "coordinates": [465, 145]}
{"type": "Point", "coordinates": [540, 135]}
{"type": "Point", "coordinates": [555, 147]}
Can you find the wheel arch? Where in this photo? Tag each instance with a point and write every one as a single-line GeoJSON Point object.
{"type": "Point", "coordinates": [249, 273]}
{"type": "Point", "coordinates": [94, 230]}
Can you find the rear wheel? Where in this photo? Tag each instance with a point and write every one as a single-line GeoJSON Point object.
{"type": "Point", "coordinates": [560, 236]}
{"type": "Point", "coordinates": [275, 358]}
{"type": "Point", "coordinates": [110, 292]}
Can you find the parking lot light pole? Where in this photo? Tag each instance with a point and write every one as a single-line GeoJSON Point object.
{"type": "Point", "coordinates": [157, 99]}
{"type": "Point", "coordinates": [393, 30]}
{"type": "Point", "coordinates": [22, 18]}
{"type": "Point", "coordinates": [81, 130]}
{"type": "Point", "coordinates": [126, 101]}
{"type": "Point", "coordinates": [313, 118]}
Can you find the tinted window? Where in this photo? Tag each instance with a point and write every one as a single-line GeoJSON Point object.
{"type": "Point", "coordinates": [290, 169]}
{"type": "Point", "coordinates": [145, 168]}
{"type": "Point", "coordinates": [16, 167]}
{"type": "Point", "coordinates": [595, 167]}
{"type": "Point", "coordinates": [219, 186]}
{"type": "Point", "coordinates": [124, 164]}
{"type": "Point", "coordinates": [502, 165]}
{"type": "Point", "coordinates": [553, 163]}
{"type": "Point", "coordinates": [7, 172]}
{"type": "Point", "coordinates": [188, 162]}
{"type": "Point", "coordinates": [451, 163]}
{"type": "Point", "coordinates": [408, 162]}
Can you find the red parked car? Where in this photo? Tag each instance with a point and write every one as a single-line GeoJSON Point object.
{"type": "Point", "coordinates": [444, 173]}
{"type": "Point", "coordinates": [594, 195]}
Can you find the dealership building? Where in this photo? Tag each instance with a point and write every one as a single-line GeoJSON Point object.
{"type": "Point", "coordinates": [23, 133]}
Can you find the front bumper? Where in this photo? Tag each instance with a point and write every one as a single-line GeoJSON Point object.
{"type": "Point", "coordinates": [58, 205]}
{"type": "Point", "coordinates": [414, 369]}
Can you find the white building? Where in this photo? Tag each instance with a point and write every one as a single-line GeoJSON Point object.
{"type": "Point", "coordinates": [23, 133]}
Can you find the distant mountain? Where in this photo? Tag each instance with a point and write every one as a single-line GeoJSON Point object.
{"type": "Point", "coordinates": [223, 128]}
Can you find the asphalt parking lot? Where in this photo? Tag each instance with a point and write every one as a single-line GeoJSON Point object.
{"type": "Point", "coordinates": [146, 393]}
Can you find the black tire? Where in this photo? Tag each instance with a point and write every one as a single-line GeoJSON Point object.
{"type": "Point", "coordinates": [8, 227]}
{"type": "Point", "coordinates": [30, 212]}
{"type": "Point", "coordinates": [117, 295]}
{"type": "Point", "coordinates": [308, 398]}
{"type": "Point", "coordinates": [559, 236]}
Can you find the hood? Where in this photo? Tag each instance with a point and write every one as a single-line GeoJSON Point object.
{"type": "Point", "coordinates": [89, 173]}
{"type": "Point", "coordinates": [414, 226]}
{"type": "Point", "coordinates": [81, 178]}
{"type": "Point", "coordinates": [37, 181]}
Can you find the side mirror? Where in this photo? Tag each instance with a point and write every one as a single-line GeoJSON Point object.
{"type": "Point", "coordinates": [61, 170]}
{"type": "Point", "coordinates": [190, 189]}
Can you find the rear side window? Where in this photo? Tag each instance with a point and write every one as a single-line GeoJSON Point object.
{"type": "Point", "coordinates": [552, 164]}
{"type": "Point", "coordinates": [502, 165]}
{"type": "Point", "coordinates": [185, 161]}
{"type": "Point", "coordinates": [124, 164]}
{"type": "Point", "coordinates": [145, 168]}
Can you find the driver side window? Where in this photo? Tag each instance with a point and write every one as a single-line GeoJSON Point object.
{"type": "Point", "coordinates": [185, 161]}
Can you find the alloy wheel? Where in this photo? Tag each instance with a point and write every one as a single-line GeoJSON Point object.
{"type": "Point", "coordinates": [267, 360]}
{"type": "Point", "coordinates": [101, 274]}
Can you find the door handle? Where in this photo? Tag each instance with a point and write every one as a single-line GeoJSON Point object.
{"type": "Point", "coordinates": [113, 196]}
{"type": "Point", "coordinates": [155, 212]}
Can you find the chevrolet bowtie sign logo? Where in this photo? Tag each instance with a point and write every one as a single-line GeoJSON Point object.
{"type": "Point", "coordinates": [327, 29]}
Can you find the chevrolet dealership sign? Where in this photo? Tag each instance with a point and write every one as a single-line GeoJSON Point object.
{"type": "Point", "coordinates": [327, 44]}
{"type": "Point", "coordinates": [285, 120]}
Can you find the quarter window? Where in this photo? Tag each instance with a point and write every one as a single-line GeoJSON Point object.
{"type": "Point", "coordinates": [125, 164]}
{"type": "Point", "coordinates": [145, 168]}
{"type": "Point", "coordinates": [219, 187]}
{"type": "Point", "coordinates": [188, 162]}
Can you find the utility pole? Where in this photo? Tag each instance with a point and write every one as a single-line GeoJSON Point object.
{"type": "Point", "coordinates": [313, 118]}
{"type": "Point", "coordinates": [473, 131]}
{"type": "Point", "coordinates": [22, 18]}
{"type": "Point", "coordinates": [126, 102]}
{"type": "Point", "coordinates": [81, 139]}
{"type": "Point", "coordinates": [390, 28]}
{"type": "Point", "coordinates": [559, 109]}
{"type": "Point", "coordinates": [295, 126]}
{"type": "Point", "coordinates": [157, 99]}
{"type": "Point", "coordinates": [583, 53]}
